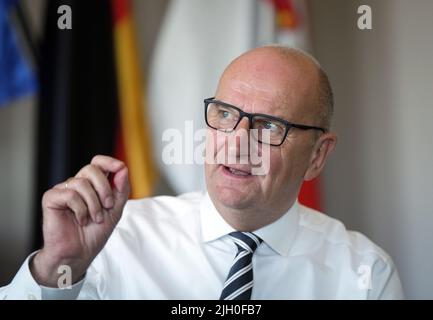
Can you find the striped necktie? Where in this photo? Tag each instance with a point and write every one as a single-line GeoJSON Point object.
{"type": "Point", "coordinates": [239, 283]}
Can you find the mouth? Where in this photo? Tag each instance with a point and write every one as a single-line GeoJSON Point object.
{"type": "Point", "coordinates": [238, 172]}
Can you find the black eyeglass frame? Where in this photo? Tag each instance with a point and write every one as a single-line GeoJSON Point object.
{"type": "Point", "coordinates": [250, 117]}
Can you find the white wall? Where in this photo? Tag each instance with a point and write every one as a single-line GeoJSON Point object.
{"type": "Point", "coordinates": [380, 180]}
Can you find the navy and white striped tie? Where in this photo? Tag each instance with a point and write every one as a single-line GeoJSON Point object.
{"type": "Point", "coordinates": [239, 283]}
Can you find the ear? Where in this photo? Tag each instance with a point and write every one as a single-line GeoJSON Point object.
{"type": "Point", "coordinates": [321, 150]}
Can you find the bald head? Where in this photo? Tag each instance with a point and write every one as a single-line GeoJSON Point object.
{"type": "Point", "coordinates": [300, 74]}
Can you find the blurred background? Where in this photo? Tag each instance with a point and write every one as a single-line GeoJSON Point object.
{"type": "Point", "coordinates": [117, 75]}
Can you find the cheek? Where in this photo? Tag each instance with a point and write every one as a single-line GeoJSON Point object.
{"type": "Point", "coordinates": [275, 163]}
{"type": "Point", "coordinates": [294, 162]}
{"type": "Point", "coordinates": [213, 144]}
{"type": "Point", "coordinates": [283, 165]}
{"type": "Point", "coordinates": [279, 164]}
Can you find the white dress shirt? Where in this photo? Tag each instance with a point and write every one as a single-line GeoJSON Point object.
{"type": "Point", "coordinates": [178, 248]}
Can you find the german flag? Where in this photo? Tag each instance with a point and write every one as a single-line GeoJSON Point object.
{"type": "Point", "coordinates": [91, 98]}
{"type": "Point", "coordinates": [133, 141]}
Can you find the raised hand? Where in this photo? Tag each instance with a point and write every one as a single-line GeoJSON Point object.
{"type": "Point", "coordinates": [79, 216]}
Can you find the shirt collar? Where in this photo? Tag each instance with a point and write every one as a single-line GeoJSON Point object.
{"type": "Point", "coordinates": [279, 235]}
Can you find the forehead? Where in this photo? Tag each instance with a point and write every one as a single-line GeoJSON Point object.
{"type": "Point", "coordinates": [250, 97]}
{"type": "Point", "coordinates": [275, 90]}
{"type": "Point", "coordinates": [265, 80]}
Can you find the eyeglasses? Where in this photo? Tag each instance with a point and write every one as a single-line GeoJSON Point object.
{"type": "Point", "coordinates": [224, 117]}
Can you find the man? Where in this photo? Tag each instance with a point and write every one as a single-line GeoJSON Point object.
{"type": "Point", "coordinates": [246, 238]}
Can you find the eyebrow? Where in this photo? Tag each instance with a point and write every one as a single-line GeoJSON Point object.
{"type": "Point", "coordinates": [253, 113]}
{"type": "Point", "coordinates": [293, 124]}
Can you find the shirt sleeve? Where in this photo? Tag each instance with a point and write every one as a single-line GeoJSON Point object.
{"type": "Point", "coordinates": [24, 287]}
{"type": "Point", "coordinates": [386, 284]}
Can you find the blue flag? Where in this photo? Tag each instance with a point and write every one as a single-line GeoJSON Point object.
{"type": "Point", "coordinates": [16, 77]}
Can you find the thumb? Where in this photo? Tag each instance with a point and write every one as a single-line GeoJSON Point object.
{"type": "Point", "coordinates": [121, 190]}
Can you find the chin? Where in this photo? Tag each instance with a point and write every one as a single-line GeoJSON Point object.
{"type": "Point", "coordinates": [233, 198]}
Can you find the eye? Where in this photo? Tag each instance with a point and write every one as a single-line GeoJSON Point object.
{"type": "Point", "coordinates": [269, 125]}
{"type": "Point", "coordinates": [226, 114]}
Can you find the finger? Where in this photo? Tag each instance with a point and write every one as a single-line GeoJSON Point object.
{"type": "Point", "coordinates": [63, 185]}
{"type": "Point", "coordinates": [99, 182]}
{"type": "Point", "coordinates": [66, 199]}
{"type": "Point", "coordinates": [88, 194]}
{"type": "Point", "coordinates": [121, 192]}
{"type": "Point", "coordinates": [107, 164]}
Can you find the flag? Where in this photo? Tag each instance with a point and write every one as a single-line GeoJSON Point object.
{"type": "Point", "coordinates": [197, 40]}
{"type": "Point", "coordinates": [90, 98]}
{"type": "Point", "coordinates": [78, 105]}
{"type": "Point", "coordinates": [292, 28]}
{"type": "Point", "coordinates": [291, 23]}
{"type": "Point", "coordinates": [16, 77]}
{"type": "Point", "coordinates": [133, 143]}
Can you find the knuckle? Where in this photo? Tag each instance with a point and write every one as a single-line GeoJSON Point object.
{"type": "Point", "coordinates": [94, 169]}
{"type": "Point", "coordinates": [81, 182]}
{"type": "Point", "coordinates": [96, 158]}
{"type": "Point", "coordinates": [90, 167]}
{"type": "Point", "coordinates": [85, 171]}
{"type": "Point", "coordinates": [59, 186]}
{"type": "Point", "coordinates": [80, 173]}
{"type": "Point", "coordinates": [71, 195]}
{"type": "Point", "coordinates": [47, 196]}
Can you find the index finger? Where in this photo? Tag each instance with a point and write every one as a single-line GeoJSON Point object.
{"type": "Point", "coordinates": [107, 164]}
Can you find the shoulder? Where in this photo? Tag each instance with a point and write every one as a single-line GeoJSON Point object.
{"type": "Point", "coordinates": [319, 230]}
{"type": "Point", "coordinates": [356, 260]}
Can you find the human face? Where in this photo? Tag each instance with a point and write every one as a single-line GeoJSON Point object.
{"type": "Point", "coordinates": [268, 87]}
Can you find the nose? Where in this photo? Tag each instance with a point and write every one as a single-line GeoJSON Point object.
{"type": "Point", "coordinates": [239, 142]}
{"type": "Point", "coordinates": [243, 124]}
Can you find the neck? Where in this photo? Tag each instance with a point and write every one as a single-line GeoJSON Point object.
{"type": "Point", "coordinates": [251, 219]}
